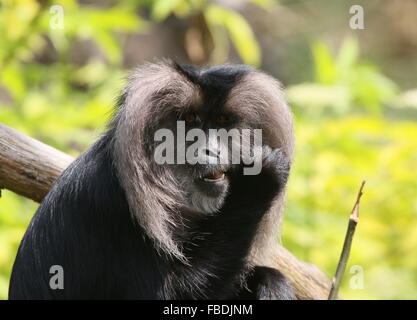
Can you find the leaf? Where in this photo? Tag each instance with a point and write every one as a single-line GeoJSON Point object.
{"type": "Point", "coordinates": [110, 46]}
{"type": "Point", "coordinates": [314, 98]}
{"type": "Point", "coordinates": [325, 70]}
{"type": "Point", "coordinates": [163, 8]}
{"type": "Point", "coordinates": [263, 3]}
{"type": "Point", "coordinates": [407, 99]}
{"type": "Point", "coordinates": [348, 55]}
{"type": "Point", "coordinates": [12, 80]}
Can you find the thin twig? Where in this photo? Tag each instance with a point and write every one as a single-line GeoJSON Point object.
{"type": "Point", "coordinates": [353, 221]}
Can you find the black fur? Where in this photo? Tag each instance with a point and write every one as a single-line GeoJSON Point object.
{"type": "Point", "coordinates": [265, 283]}
{"type": "Point", "coordinates": [215, 82]}
{"type": "Point", "coordinates": [84, 225]}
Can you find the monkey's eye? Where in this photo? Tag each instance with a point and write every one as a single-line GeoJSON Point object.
{"type": "Point", "coordinates": [191, 118]}
{"type": "Point", "coordinates": [222, 119]}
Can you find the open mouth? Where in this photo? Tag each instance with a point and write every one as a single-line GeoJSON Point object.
{"type": "Point", "coordinates": [214, 176]}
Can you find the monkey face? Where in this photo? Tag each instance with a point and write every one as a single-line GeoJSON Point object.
{"type": "Point", "coordinates": [213, 147]}
{"type": "Point", "coordinates": [169, 113]}
{"type": "Point", "coordinates": [204, 174]}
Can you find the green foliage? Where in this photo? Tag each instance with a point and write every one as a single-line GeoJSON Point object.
{"type": "Point", "coordinates": [343, 138]}
{"type": "Point", "coordinates": [15, 214]}
{"type": "Point", "coordinates": [222, 22]}
{"type": "Point", "coordinates": [343, 83]}
{"type": "Point", "coordinates": [239, 31]}
{"type": "Point", "coordinates": [332, 158]}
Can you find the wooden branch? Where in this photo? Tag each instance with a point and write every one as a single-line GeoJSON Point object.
{"type": "Point", "coordinates": [309, 282]}
{"type": "Point", "coordinates": [29, 167]}
{"type": "Point", "coordinates": [344, 257]}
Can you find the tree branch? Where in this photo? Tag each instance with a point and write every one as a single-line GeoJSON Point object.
{"type": "Point", "coordinates": [29, 167]}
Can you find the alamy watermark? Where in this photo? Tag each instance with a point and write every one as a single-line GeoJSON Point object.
{"type": "Point", "coordinates": [57, 17]}
{"type": "Point", "coordinates": [356, 21]}
{"type": "Point", "coordinates": [356, 281]}
{"type": "Point", "coordinates": [56, 282]}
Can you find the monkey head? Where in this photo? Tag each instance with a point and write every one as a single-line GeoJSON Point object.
{"type": "Point", "coordinates": [179, 131]}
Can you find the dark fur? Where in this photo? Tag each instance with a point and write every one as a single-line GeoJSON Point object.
{"type": "Point", "coordinates": [85, 225]}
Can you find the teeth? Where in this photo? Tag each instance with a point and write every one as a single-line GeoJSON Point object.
{"type": "Point", "coordinates": [211, 180]}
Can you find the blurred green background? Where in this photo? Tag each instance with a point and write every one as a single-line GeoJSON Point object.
{"type": "Point", "coordinates": [353, 93]}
